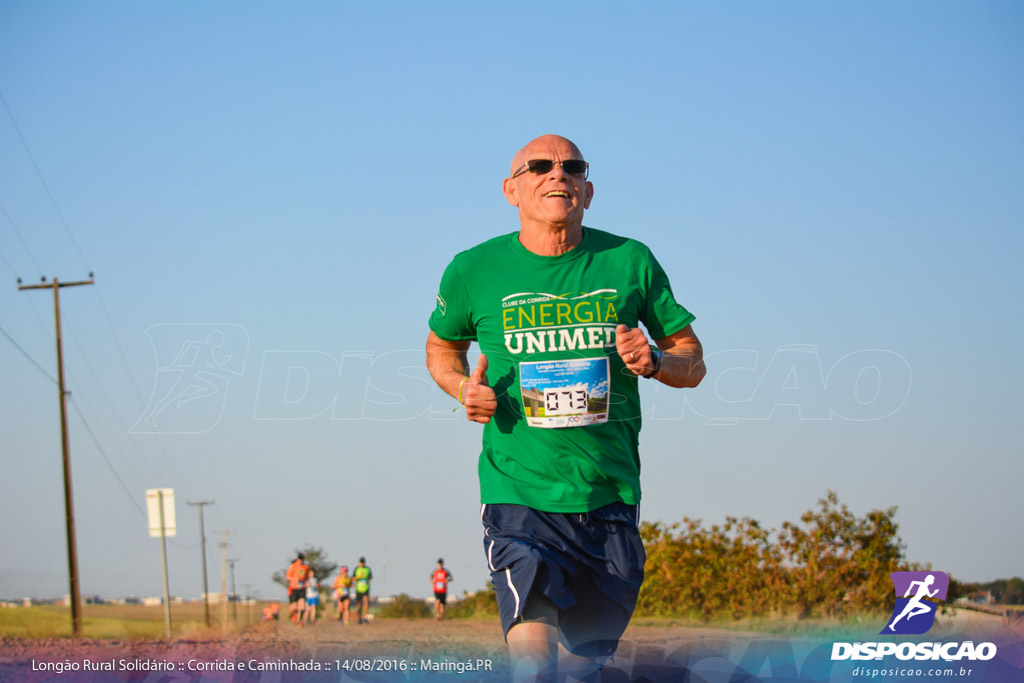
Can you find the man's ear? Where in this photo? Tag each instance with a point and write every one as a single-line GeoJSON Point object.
{"type": "Point", "coordinates": [509, 188]}
{"type": "Point", "coordinates": [588, 194]}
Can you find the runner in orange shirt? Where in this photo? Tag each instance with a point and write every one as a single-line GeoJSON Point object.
{"type": "Point", "coordinates": [296, 576]}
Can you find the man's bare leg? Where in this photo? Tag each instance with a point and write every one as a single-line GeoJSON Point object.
{"type": "Point", "coordinates": [533, 652]}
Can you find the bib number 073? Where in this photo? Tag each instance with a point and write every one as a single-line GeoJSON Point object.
{"type": "Point", "coordinates": [565, 401]}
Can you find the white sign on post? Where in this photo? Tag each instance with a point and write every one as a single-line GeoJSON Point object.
{"type": "Point", "coordinates": [153, 509]}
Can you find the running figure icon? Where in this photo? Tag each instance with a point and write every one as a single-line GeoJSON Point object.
{"type": "Point", "coordinates": [915, 606]}
{"type": "Point", "coordinates": [194, 365]}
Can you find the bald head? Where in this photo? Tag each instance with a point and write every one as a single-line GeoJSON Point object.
{"type": "Point", "coordinates": [543, 144]}
{"type": "Point", "coordinates": [550, 199]}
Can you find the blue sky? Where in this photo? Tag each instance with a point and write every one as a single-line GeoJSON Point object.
{"type": "Point", "coordinates": [833, 189]}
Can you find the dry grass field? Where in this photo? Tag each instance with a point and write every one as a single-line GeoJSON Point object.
{"type": "Point", "coordinates": [121, 621]}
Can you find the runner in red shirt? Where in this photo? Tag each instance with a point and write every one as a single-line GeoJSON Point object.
{"type": "Point", "coordinates": [439, 579]}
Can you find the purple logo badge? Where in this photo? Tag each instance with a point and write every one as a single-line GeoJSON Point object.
{"type": "Point", "coordinates": [917, 598]}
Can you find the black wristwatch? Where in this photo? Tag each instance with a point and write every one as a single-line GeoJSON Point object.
{"type": "Point", "coordinates": [657, 355]}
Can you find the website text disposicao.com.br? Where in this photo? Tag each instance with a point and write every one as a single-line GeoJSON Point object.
{"type": "Point", "coordinates": [906, 672]}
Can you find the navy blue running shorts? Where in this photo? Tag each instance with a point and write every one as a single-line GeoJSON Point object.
{"type": "Point", "coordinates": [589, 565]}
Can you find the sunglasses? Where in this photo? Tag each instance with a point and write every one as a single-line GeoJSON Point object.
{"type": "Point", "coordinates": [576, 167]}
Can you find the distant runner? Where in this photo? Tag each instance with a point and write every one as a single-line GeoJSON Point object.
{"type": "Point", "coordinates": [362, 576]}
{"type": "Point", "coordinates": [440, 579]}
{"type": "Point", "coordinates": [343, 593]}
{"type": "Point", "coordinates": [296, 577]}
{"type": "Point", "coordinates": [312, 596]}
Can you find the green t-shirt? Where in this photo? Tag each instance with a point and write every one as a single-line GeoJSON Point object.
{"type": "Point", "coordinates": [564, 437]}
{"type": "Point", "coordinates": [362, 576]}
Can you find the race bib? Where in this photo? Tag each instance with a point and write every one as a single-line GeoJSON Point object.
{"type": "Point", "coordinates": [565, 393]}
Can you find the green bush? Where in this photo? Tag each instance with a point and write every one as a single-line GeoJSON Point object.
{"type": "Point", "coordinates": [482, 603]}
{"type": "Point", "coordinates": [831, 564]}
{"type": "Point", "coordinates": [732, 570]}
{"type": "Point", "coordinates": [406, 607]}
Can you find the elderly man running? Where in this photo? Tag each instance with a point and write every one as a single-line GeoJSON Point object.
{"type": "Point", "coordinates": [556, 308]}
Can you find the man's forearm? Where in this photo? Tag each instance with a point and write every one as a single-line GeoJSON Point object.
{"type": "Point", "coordinates": [448, 366]}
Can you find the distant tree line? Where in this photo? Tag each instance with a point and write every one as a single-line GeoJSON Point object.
{"type": "Point", "coordinates": [1004, 591]}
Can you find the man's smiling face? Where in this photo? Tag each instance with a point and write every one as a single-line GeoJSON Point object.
{"type": "Point", "coordinates": [555, 197]}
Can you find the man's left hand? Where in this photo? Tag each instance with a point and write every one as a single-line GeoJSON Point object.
{"type": "Point", "coordinates": [634, 348]}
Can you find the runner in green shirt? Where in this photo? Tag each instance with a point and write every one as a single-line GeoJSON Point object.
{"type": "Point", "coordinates": [362, 576]}
{"type": "Point", "coordinates": [556, 309]}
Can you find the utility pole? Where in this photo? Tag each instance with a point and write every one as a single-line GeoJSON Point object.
{"type": "Point", "coordinates": [234, 603]}
{"type": "Point", "coordinates": [69, 509]}
{"type": "Point", "coordinates": [202, 549]}
{"type": "Point", "coordinates": [224, 576]}
{"type": "Point", "coordinates": [163, 561]}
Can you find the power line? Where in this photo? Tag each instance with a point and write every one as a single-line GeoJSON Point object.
{"type": "Point", "coordinates": [67, 228]}
{"type": "Point", "coordinates": [39, 318]}
{"type": "Point", "coordinates": [110, 404]}
{"type": "Point", "coordinates": [28, 356]}
{"type": "Point", "coordinates": [20, 238]}
{"type": "Point", "coordinates": [46, 186]}
{"type": "Point", "coordinates": [8, 264]}
{"type": "Point", "coordinates": [24, 244]}
{"type": "Point", "coordinates": [81, 399]}
{"type": "Point", "coordinates": [85, 423]}
{"type": "Point", "coordinates": [135, 387]}
{"type": "Point", "coordinates": [113, 470]}
{"type": "Point", "coordinates": [81, 415]}
{"type": "Point", "coordinates": [89, 430]}
{"type": "Point", "coordinates": [106, 312]}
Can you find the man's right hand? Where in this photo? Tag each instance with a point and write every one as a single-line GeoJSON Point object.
{"type": "Point", "coordinates": [477, 397]}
